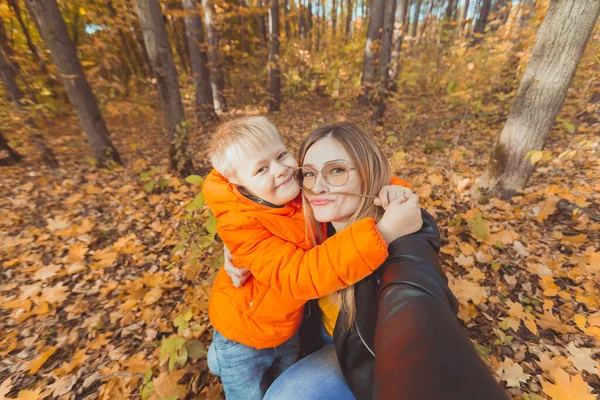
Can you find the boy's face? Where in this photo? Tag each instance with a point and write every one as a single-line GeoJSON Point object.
{"type": "Point", "coordinates": [268, 174]}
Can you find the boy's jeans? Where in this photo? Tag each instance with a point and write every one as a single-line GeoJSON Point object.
{"type": "Point", "coordinates": [247, 373]}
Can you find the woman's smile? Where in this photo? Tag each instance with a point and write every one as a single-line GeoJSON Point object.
{"type": "Point", "coordinates": [321, 202]}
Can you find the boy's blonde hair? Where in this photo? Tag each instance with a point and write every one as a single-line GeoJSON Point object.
{"type": "Point", "coordinates": [239, 137]}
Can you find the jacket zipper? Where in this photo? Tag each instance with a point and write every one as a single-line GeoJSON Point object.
{"type": "Point", "coordinates": [363, 340]}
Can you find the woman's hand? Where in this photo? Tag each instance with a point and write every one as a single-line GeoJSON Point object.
{"type": "Point", "coordinates": [402, 217]}
{"type": "Point", "coordinates": [390, 193]}
{"type": "Point", "coordinates": [238, 276]}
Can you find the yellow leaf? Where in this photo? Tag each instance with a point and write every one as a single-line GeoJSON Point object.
{"type": "Point", "coordinates": [580, 321]}
{"type": "Point", "coordinates": [165, 385]}
{"type": "Point", "coordinates": [424, 191]}
{"type": "Point", "coordinates": [34, 365]}
{"type": "Point", "coordinates": [82, 11]}
{"type": "Point", "coordinates": [31, 395]}
{"type": "Point", "coordinates": [567, 389]}
{"type": "Point", "coordinates": [529, 324]}
{"type": "Point", "coordinates": [536, 156]}
{"type": "Point", "coordinates": [464, 261]}
{"type": "Point", "coordinates": [74, 199]}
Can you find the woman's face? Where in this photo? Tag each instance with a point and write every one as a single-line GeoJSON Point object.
{"type": "Point", "coordinates": [331, 207]}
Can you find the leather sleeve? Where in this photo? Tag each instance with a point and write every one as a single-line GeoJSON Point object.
{"type": "Point", "coordinates": [422, 352]}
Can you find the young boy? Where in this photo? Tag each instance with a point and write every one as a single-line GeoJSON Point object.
{"type": "Point", "coordinates": [254, 195]}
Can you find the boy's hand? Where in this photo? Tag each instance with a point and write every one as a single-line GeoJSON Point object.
{"type": "Point", "coordinates": [238, 276]}
{"type": "Point", "coordinates": [390, 193]}
{"type": "Point", "coordinates": [401, 218]}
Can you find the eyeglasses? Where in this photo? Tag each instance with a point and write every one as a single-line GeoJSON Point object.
{"type": "Point", "coordinates": [335, 173]}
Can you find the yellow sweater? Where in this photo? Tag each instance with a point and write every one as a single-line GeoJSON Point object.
{"type": "Point", "coordinates": [330, 312]}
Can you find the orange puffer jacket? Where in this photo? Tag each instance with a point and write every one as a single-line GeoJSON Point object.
{"type": "Point", "coordinates": [286, 269]}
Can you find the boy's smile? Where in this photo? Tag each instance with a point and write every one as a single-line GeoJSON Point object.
{"type": "Point", "coordinates": [268, 174]}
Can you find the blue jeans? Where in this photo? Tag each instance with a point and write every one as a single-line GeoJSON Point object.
{"type": "Point", "coordinates": [316, 377]}
{"type": "Point", "coordinates": [247, 373]}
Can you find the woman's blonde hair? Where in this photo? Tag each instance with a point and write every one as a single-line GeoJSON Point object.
{"type": "Point", "coordinates": [374, 171]}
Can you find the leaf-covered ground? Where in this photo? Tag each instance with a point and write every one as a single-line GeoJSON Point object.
{"type": "Point", "coordinates": [91, 288]}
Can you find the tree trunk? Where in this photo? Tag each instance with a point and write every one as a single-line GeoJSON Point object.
{"type": "Point", "coordinates": [384, 62]}
{"type": "Point", "coordinates": [348, 17]}
{"type": "Point", "coordinates": [462, 18]}
{"type": "Point", "coordinates": [16, 95]}
{"type": "Point", "coordinates": [299, 21]}
{"type": "Point", "coordinates": [199, 61]}
{"type": "Point", "coordinates": [274, 74]}
{"type": "Point", "coordinates": [260, 23]}
{"type": "Point", "coordinates": [399, 26]}
{"type": "Point", "coordinates": [334, 15]}
{"type": "Point", "coordinates": [369, 72]}
{"type": "Point", "coordinates": [32, 47]}
{"type": "Point", "coordinates": [161, 59]}
{"type": "Point", "coordinates": [318, 41]}
{"type": "Point", "coordinates": [415, 24]}
{"type": "Point", "coordinates": [502, 9]}
{"type": "Point", "coordinates": [425, 20]}
{"type": "Point", "coordinates": [482, 21]}
{"type": "Point", "coordinates": [12, 156]}
{"type": "Point", "coordinates": [54, 32]}
{"type": "Point", "coordinates": [180, 46]}
{"type": "Point", "coordinates": [559, 46]}
{"type": "Point", "coordinates": [285, 17]}
{"type": "Point", "coordinates": [309, 22]}
{"type": "Point", "coordinates": [213, 56]}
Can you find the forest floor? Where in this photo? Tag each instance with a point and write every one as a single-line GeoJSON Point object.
{"type": "Point", "coordinates": [89, 285]}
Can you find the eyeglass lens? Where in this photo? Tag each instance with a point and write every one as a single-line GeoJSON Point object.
{"type": "Point", "coordinates": [335, 174]}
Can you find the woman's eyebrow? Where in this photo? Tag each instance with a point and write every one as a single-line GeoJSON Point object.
{"type": "Point", "coordinates": [328, 162]}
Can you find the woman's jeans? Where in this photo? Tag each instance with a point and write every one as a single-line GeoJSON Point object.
{"type": "Point", "coordinates": [247, 373]}
{"type": "Point", "coordinates": [316, 377]}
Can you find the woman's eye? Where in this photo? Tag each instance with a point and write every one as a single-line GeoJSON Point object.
{"type": "Point", "coordinates": [337, 170]}
{"type": "Point", "coordinates": [308, 174]}
{"type": "Point", "coordinates": [283, 155]}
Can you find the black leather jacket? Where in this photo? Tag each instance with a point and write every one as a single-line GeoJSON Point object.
{"type": "Point", "coordinates": [406, 342]}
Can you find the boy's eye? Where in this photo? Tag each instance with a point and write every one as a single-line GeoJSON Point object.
{"type": "Point", "coordinates": [261, 170]}
{"type": "Point", "coordinates": [283, 155]}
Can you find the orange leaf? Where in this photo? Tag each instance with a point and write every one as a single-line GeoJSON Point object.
{"type": "Point", "coordinates": [34, 365]}
{"type": "Point", "coordinates": [567, 389]}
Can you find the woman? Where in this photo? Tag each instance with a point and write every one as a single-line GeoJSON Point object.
{"type": "Point", "coordinates": [393, 335]}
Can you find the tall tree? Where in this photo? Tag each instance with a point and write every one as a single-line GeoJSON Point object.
{"type": "Point", "coordinates": [399, 26]}
{"type": "Point", "coordinates": [384, 61]}
{"type": "Point", "coordinates": [199, 60]}
{"type": "Point", "coordinates": [348, 16]}
{"type": "Point", "coordinates": [12, 157]}
{"type": "Point", "coordinates": [369, 72]}
{"type": "Point", "coordinates": [415, 22]}
{"type": "Point", "coordinates": [274, 74]}
{"type": "Point", "coordinates": [161, 59]}
{"type": "Point", "coordinates": [559, 45]}
{"type": "Point", "coordinates": [8, 76]}
{"type": "Point", "coordinates": [334, 16]}
{"type": "Point", "coordinates": [484, 12]}
{"type": "Point", "coordinates": [213, 56]}
{"type": "Point", "coordinates": [25, 28]}
{"type": "Point", "coordinates": [285, 17]}
{"type": "Point", "coordinates": [54, 32]}
{"type": "Point", "coordinates": [260, 23]}
{"type": "Point", "coordinates": [463, 17]}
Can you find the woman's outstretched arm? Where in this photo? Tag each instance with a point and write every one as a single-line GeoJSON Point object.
{"type": "Point", "coordinates": [421, 350]}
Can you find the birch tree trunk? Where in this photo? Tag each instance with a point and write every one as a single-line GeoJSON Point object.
{"type": "Point", "coordinates": [54, 32]}
{"type": "Point", "coordinates": [161, 59]}
{"type": "Point", "coordinates": [213, 56]}
{"type": "Point", "coordinates": [274, 74]}
{"type": "Point", "coordinates": [369, 72]}
{"type": "Point", "coordinates": [399, 27]}
{"type": "Point", "coordinates": [199, 60]}
{"type": "Point", "coordinates": [415, 24]}
{"type": "Point", "coordinates": [384, 61]}
{"type": "Point", "coordinates": [560, 43]}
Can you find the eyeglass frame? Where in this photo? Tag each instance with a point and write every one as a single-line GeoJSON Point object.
{"type": "Point", "coordinates": [298, 169]}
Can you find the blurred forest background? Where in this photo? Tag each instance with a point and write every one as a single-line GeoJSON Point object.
{"type": "Point", "coordinates": [489, 108]}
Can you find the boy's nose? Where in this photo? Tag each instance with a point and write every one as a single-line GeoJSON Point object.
{"type": "Point", "coordinates": [280, 170]}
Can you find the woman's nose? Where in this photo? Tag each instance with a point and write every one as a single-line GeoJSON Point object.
{"type": "Point", "coordinates": [321, 186]}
